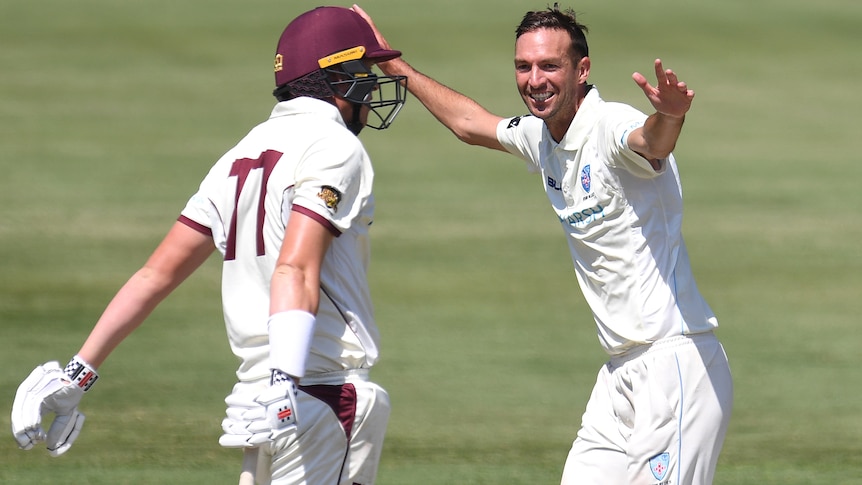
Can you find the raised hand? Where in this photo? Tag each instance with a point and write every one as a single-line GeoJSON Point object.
{"type": "Point", "coordinates": [363, 14]}
{"type": "Point", "coordinates": [670, 96]}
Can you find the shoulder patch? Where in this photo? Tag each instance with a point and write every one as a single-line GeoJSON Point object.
{"type": "Point", "coordinates": [330, 196]}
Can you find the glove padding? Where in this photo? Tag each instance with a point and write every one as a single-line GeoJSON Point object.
{"type": "Point", "coordinates": [47, 389]}
{"type": "Point", "coordinates": [252, 421]}
{"type": "Point", "coordinates": [246, 425]}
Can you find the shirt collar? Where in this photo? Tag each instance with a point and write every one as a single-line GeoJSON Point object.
{"type": "Point", "coordinates": [582, 125]}
{"type": "Point", "coordinates": [306, 105]}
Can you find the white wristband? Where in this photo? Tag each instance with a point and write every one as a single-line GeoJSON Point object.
{"type": "Point", "coordinates": [290, 335]}
{"type": "Point", "coordinates": [81, 373]}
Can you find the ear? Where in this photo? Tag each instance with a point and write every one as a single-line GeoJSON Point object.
{"type": "Point", "coordinates": [583, 70]}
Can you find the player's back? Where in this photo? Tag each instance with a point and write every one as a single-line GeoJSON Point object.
{"type": "Point", "coordinates": [301, 158]}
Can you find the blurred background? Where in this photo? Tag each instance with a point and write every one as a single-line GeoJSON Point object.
{"type": "Point", "coordinates": [112, 112]}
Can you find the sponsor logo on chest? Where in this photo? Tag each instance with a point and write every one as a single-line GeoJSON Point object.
{"type": "Point", "coordinates": [575, 211]}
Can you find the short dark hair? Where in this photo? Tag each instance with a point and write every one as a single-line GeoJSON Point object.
{"type": "Point", "coordinates": [554, 18]}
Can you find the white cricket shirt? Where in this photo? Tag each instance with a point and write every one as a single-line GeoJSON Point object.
{"type": "Point", "coordinates": [622, 220]}
{"type": "Point", "coordinates": [304, 159]}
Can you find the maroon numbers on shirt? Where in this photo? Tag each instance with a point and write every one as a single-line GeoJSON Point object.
{"type": "Point", "coordinates": [241, 169]}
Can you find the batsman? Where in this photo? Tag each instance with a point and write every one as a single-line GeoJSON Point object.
{"type": "Point", "coordinates": [289, 209]}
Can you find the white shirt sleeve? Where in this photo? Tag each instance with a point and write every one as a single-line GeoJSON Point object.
{"type": "Point", "coordinates": [615, 126]}
{"type": "Point", "coordinates": [515, 136]}
{"type": "Point", "coordinates": [333, 180]}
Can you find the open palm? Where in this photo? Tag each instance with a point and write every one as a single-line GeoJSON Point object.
{"type": "Point", "coordinates": [669, 96]}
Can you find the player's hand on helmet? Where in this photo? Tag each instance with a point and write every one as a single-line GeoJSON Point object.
{"type": "Point", "coordinates": [380, 39]}
{"type": "Point", "coordinates": [50, 389]}
{"type": "Point", "coordinates": [269, 415]}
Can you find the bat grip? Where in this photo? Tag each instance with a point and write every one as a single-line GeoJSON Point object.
{"type": "Point", "coordinates": [249, 466]}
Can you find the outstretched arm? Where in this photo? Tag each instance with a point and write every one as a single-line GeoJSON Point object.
{"type": "Point", "coordinates": [468, 120]}
{"type": "Point", "coordinates": [49, 388]}
{"type": "Point", "coordinates": [179, 254]}
{"type": "Point", "coordinates": [671, 99]}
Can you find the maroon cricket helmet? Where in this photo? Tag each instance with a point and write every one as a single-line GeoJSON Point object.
{"type": "Point", "coordinates": [320, 33]}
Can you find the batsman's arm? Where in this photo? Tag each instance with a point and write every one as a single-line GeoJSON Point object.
{"type": "Point", "coordinates": [295, 281]}
{"type": "Point", "coordinates": [52, 389]}
{"type": "Point", "coordinates": [463, 116]}
{"type": "Point", "coordinates": [295, 291]}
{"type": "Point", "coordinates": [179, 254]}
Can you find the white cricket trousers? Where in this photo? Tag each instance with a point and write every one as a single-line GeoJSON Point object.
{"type": "Point", "coordinates": [341, 423]}
{"type": "Point", "coordinates": [656, 416]}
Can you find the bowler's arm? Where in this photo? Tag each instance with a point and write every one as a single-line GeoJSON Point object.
{"type": "Point", "coordinates": [464, 117]}
{"type": "Point", "coordinates": [671, 99]}
{"type": "Point", "coordinates": [468, 120]}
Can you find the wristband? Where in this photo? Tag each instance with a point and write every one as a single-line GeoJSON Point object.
{"type": "Point", "coordinates": [290, 335]}
{"type": "Point", "coordinates": [81, 373]}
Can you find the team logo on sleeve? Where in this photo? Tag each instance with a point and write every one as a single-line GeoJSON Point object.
{"type": "Point", "coordinates": [330, 196]}
{"type": "Point", "coordinates": [659, 464]}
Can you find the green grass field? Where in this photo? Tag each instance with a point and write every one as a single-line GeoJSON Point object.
{"type": "Point", "coordinates": [111, 112]}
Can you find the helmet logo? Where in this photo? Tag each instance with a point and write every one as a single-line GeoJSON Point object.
{"type": "Point", "coordinates": [279, 63]}
{"type": "Point", "coordinates": [339, 57]}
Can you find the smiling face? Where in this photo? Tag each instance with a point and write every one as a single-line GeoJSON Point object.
{"type": "Point", "coordinates": [551, 81]}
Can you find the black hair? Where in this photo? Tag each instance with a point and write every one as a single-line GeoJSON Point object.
{"type": "Point", "coordinates": [554, 18]}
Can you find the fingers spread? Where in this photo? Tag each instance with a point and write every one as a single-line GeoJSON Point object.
{"type": "Point", "coordinates": [659, 72]}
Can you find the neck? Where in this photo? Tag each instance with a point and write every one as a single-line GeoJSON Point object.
{"type": "Point", "coordinates": [558, 128]}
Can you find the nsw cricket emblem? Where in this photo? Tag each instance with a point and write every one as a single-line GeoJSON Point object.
{"type": "Point", "coordinates": [586, 181]}
{"type": "Point", "coordinates": [659, 464]}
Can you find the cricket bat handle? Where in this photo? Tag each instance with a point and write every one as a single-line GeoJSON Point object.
{"type": "Point", "coordinates": [249, 466]}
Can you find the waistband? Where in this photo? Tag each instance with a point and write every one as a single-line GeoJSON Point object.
{"type": "Point", "coordinates": [335, 377]}
{"type": "Point", "coordinates": [661, 345]}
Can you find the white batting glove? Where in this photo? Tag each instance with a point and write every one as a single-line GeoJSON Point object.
{"type": "Point", "coordinates": [246, 425]}
{"type": "Point", "coordinates": [254, 420]}
{"type": "Point", "coordinates": [279, 399]}
{"type": "Point", "coordinates": [50, 389]}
